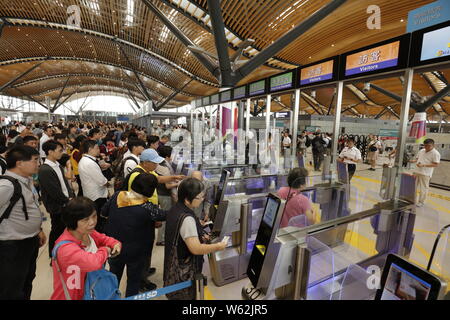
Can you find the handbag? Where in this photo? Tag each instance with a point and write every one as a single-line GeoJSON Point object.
{"type": "Point", "coordinates": [180, 271]}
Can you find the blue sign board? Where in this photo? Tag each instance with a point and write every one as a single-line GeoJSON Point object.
{"type": "Point", "coordinates": [428, 15]}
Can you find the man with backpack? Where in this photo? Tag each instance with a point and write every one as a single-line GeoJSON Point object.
{"type": "Point", "coordinates": [21, 234]}
{"type": "Point", "coordinates": [318, 150]}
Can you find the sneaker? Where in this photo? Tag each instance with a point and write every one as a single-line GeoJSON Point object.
{"type": "Point", "coordinates": [147, 286]}
{"type": "Point", "coordinates": [151, 271]}
{"type": "Point", "coordinates": [160, 243]}
{"type": "Point", "coordinates": [419, 205]}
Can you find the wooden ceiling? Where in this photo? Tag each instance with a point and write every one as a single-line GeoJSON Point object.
{"type": "Point", "coordinates": [119, 36]}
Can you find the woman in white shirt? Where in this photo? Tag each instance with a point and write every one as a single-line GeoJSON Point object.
{"type": "Point", "coordinates": [351, 156]}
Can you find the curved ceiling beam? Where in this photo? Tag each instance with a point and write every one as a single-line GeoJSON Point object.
{"type": "Point", "coordinates": [230, 45]}
{"type": "Point", "coordinates": [93, 75]}
{"type": "Point", "coordinates": [57, 26]}
{"type": "Point", "coordinates": [32, 59]}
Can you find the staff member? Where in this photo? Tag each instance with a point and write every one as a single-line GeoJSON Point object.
{"type": "Point", "coordinates": [351, 156]}
{"type": "Point", "coordinates": [426, 160]}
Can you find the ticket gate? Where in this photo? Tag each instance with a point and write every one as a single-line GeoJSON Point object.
{"type": "Point", "coordinates": [239, 215]}
{"type": "Point", "coordinates": [288, 261]}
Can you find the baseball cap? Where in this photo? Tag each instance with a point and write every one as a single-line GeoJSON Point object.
{"type": "Point", "coordinates": [151, 155]}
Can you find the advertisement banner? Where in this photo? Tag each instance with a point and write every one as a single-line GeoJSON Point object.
{"type": "Point", "coordinates": [428, 15]}
{"type": "Point", "coordinates": [388, 134]}
{"type": "Point", "coordinates": [418, 127]}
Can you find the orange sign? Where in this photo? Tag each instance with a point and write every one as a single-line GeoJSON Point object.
{"type": "Point", "coordinates": [318, 72]}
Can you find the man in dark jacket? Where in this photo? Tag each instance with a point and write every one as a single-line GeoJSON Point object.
{"type": "Point", "coordinates": [56, 190]}
{"type": "Point", "coordinates": [318, 150]}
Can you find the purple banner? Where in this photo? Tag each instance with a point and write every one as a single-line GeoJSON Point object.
{"type": "Point", "coordinates": [372, 67]}
{"type": "Point", "coordinates": [257, 92]}
{"type": "Point", "coordinates": [281, 86]}
{"type": "Point", "coordinates": [317, 79]}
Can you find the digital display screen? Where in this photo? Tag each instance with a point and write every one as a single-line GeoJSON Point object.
{"type": "Point", "coordinates": [403, 285]}
{"type": "Point", "coordinates": [374, 59]}
{"type": "Point", "coordinates": [225, 96]}
{"type": "Point", "coordinates": [239, 92]}
{"type": "Point", "coordinates": [221, 186]}
{"type": "Point", "coordinates": [316, 73]}
{"type": "Point", "coordinates": [257, 88]}
{"type": "Point", "coordinates": [282, 81]}
{"type": "Point", "coordinates": [205, 101]}
{"type": "Point", "coordinates": [436, 44]}
{"type": "Point", "coordinates": [270, 212]}
{"type": "Point", "coordinates": [215, 99]}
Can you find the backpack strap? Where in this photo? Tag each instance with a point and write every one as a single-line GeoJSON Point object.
{"type": "Point", "coordinates": [17, 194]}
{"type": "Point", "coordinates": [55, 261]}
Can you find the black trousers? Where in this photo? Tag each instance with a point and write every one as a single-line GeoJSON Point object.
{"type": "Point", "coordinates": [351, 171]}
{"type": "Point", "coordinates": [18, 268]}
{"type": "Point", "coordinates": [148, 261]}
{"type": "Point", "coordinates": [80, 189]}
{"type": "Point", "coordinates": [318, 158]}
{"type": "Point", "coordinates": [57, 229]}
{"type": "Point", "coordinates": [99, 203]}
{"type": "Point", "coordinates": [135, 268]}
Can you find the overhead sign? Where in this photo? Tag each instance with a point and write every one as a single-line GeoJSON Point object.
{"type": "Point", "coordinates": [239, 92]}
{"type": "Point", "coordinates": [225, 96]}
{"type": "Point", "coordinates": [388, 134]}
{"type": "Point", "coordinates": [282, 81]}
{"type": "Point", "coordinates": [428, 15]}
{"type": "Point", "coordinates": [257, 88]}
{"type": "Point", "coordinates": [373, 59]}
{"type": "Point", "coordinates": [215, 99]}
{"type": "Point", "coordinates": [431, 45]}
{"type": "Point", "coordinates": [436, 44]}
{"type": "Point", "coordinates": [317, 73]}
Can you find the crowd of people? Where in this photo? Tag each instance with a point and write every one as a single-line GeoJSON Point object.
{"type": "Point", "coordinates": [107, 189]}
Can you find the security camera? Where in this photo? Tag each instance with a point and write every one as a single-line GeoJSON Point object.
{"type": "Point", "coordinates": [366, 87]}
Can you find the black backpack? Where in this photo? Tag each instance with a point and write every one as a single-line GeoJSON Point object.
{"type": "Point", "coordinates": [121, 182]}
{"type": "Point", "coordinates": [17, 194]}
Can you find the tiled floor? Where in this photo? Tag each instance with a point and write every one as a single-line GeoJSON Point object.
{"type": "Point", "coordinates": [364, 193]}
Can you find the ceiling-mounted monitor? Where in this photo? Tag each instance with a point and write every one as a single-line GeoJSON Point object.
{"type": "Point", "coordinates": [225, 96]}
{"type": "Point", "coordinates": [284, 81]}
{"type": "Point", "coordinates": [205, 101]}
{"type": "Point", "coordinates": [215, 98]}
{"type": "Point", "coordinates": [319, 72]}
{"type": "Point", "coordinates": [389, 55]}
{"type": "Point", "coordinates": [239, 92]}
{"type": "Point", "coordinates": [431, 45]}
{"type": "Point", "coordinates": [257, 88]}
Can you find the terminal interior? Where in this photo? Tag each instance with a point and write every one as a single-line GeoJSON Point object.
{"type": "Point", "coordinates": [168, 54]}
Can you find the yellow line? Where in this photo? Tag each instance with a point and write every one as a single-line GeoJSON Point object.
{"type": "Point", "coordinates": [208, 294]}
{"type": "Point", "coordinates": [425, 231]}
{"type": "Point", "coordinates": [360, 242]}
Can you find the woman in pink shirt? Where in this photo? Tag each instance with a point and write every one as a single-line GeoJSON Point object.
{"type": "Point", "coordinates": [88, 250]}
{"type": "Point", "coordinates": [296, 203]}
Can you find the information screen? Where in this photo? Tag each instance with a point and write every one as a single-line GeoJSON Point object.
{"type": "Point", "coordinates": [205, 101]}
{"type": "Point", "coordinates": [225, 96]}
{"type": "Point", "coordinates": [403, 285]}
{"type": "Point", "coordinates": [270, 212]}
{"type": "Point", "coordinates": [374, 59]}
{"type": "Point", "coordinates": [239, 92]}
{"type": "Point", "coordinates": [436, 44]}
{"type": "Point", "coordinates": [257, 88]}
{"type": "Point", "coordinates": [220, 189]}
{"type": "Point", "coordinates": [281, 82]}
{"type": "Point", "coordinates": [215, 99]}
{"type": "Point", "coordinates": [316, 73]}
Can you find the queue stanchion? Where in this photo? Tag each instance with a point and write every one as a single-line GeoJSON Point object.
{"type": "Point", "coordinates": [200, 283]}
